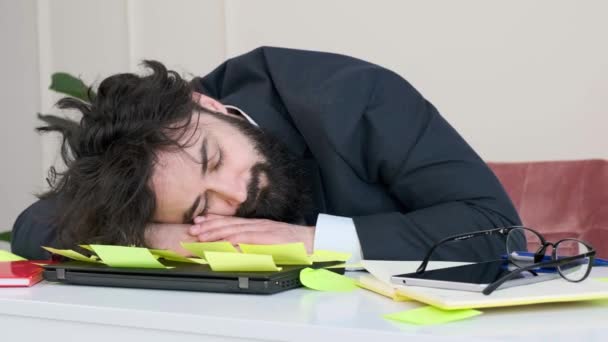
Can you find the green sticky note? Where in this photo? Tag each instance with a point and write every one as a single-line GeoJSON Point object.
{"type": "Point", "coordinates": [68, 253]}
{"type": "Point", "coordinates": [173, 256]}
{"type": "Point", "coordinates": [8, 256]}
{"type": "Point", "coordinates": [324, 280]}
{"type": "Point", "coordinates": [283, 254]}
{"type": "Point", "coordinates": [323, 255]}
{"type": "Point", "coordinates": [238, 262]}
{"type": "Point", "coordinates": [122, 256]}
{"type": "Point", "coordinates": [431, 315]}
{"type": "Point", "coordinates": [199, 248]}
{"type": "Point", "coordinates": [604, 279]}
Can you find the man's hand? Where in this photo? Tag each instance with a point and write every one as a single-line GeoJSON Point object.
{"type": "Point", "coordinates": [169, 236]}
{"type": "Point", "coordinates": [256, 231]}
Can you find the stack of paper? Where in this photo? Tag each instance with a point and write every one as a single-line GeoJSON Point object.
{"type": "Point", "coordinates": [557, 290]}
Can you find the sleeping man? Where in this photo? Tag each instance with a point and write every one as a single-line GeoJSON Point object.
{"type": "Point", "coordinates": [274, 146]}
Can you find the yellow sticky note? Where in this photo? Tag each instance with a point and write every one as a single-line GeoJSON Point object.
{"type": "Point", "coordinates": [602, 302]}
{"type": "Point", "coordinates": [199, 248]}
{"type": "Point", "coordinates": [7, 256]}
{"type": "Point", "coordinates": [282, 254]}
{"type": "Point", "coordinates": [122, 256]}
{"type": "Point", "coordinates": [173, 256]}
{"type": "Point", "coordinates": [324, 280]}
{"type": "Point", "coordinates": [87, 247]}
{"type": "Point", "coordinates": [431, 315]}
{"type": "Point", "coordinates": [321, 255]}
{"type": "Point", "coordinates": [604, 279]}
{"type": "Point", "coordinates": [68, 253]}
{"type": "Point", "coordinates": [199, 261]}
{"type": "Point", "coordinates": [238, 262]}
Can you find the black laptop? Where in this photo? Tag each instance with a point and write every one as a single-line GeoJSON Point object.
{"type": "Point", "coordinates": [190, 277]}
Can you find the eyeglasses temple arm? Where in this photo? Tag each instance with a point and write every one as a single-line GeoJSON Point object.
{"type": "Point", "coordinates": [460, 237]}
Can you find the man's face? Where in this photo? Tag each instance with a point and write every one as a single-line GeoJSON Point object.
{"type": "Point", "coordinates": [229, 168]}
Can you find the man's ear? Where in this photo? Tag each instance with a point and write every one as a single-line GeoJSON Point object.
{"type": "Point", "coordinates": [209, 103]}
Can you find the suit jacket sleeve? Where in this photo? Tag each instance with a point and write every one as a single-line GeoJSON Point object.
{"type": "Point", "coordinates": [34, 228]}
{"type": "Point", "coordinates": [444, 187]}
{"type": "Point", "coordinates": [354, 113]}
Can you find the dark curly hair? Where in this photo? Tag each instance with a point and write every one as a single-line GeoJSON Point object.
{"type": "Point", "coordinates": [104, 194]}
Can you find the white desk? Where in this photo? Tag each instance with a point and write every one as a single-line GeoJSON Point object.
{"type": "Point", "coordinates": [56, 312]}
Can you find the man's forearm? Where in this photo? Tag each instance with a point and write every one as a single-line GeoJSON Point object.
{"type": "Point", "coordinates": [398, 236]}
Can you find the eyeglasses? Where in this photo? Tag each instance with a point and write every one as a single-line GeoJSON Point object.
{"type": "Point", "coordinates": [572, 258]}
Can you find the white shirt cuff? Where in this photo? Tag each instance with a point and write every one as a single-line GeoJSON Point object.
{"type": "Point", "coordinates": [338, 233]}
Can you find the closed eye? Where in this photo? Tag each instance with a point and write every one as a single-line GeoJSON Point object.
{"type": "Point", "coordinates": [219, 161]}
{"type": "Point", "coordinates": [206, 160]}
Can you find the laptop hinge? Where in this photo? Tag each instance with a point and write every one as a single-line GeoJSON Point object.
{"type": "Point", "coordinates": [243, 283]}
{"type": "Point", "coordinates": [61, 273]}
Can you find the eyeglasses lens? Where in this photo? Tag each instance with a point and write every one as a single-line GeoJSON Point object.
{"type": "Point", "coordinates": [576, 269]}
{"type": "Point", "coordinates": [522, 245]}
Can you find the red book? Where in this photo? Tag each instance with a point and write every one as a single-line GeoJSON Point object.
{"type": "Point", "coordinates": [19, 273]}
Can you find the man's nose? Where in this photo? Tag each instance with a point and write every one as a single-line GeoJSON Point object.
{"type": "Point", "coordinates": [230, 189]}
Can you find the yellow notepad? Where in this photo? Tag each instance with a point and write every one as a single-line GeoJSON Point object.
{"type": "Point", "coordinates": [558, 290]}
{"type": "Point", "coordinates": [369, 282]}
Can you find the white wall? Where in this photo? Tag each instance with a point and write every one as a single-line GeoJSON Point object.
{"type": "Point", "coordinates": [84, 38]}
{"type": "Point", "coordinates": [521, 80]}
{"type": "Point", "coordinates": [19, 101]}
{"type": "Point", "coordinates": [187, 35]}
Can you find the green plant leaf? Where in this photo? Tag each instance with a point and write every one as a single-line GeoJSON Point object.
{"type": "Point", "coordinates": [5, 236]}
{"type": "Point", "coordinates": [65, 83]}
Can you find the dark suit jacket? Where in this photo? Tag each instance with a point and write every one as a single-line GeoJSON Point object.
{"type": "Point", "coordinates": [377, 151]}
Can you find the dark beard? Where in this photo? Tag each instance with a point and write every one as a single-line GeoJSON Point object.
{"type": "Point", "coordinates": [287, 197]}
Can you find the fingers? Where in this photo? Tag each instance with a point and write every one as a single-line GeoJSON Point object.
{"type": "Point", "coordinates": [221, 233]}
{"type": "Point", "coordinates": [221, 221]}
{"type": "Point", "coordinates": [168, 236]}
{"type": "Point", "coordinates": [208, 217]}
{"type": "Point", "coordinates": [254, 231]}
{"type": "Point", "coordinates": [253, 237]}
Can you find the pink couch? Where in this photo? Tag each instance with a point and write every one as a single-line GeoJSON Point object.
{"type": "Point", "coordinates": [561, 198]}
